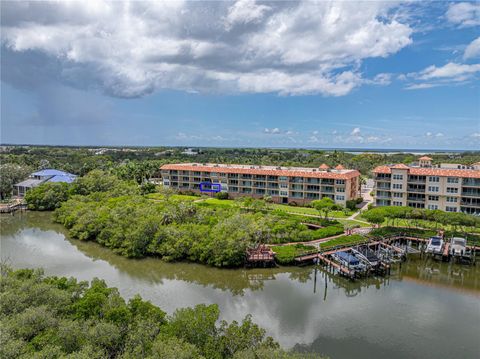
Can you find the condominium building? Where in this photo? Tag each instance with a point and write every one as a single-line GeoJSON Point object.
{"type": "Point", "coordinates": [448, 187]}
{"type": "Point", "coordinates": [282, 184]}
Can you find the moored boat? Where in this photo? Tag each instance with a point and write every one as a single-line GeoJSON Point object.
{"type": "Point", "coordinates": [435, 245]}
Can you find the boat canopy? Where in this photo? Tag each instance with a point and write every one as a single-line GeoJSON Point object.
{"type": "Point", "coordinates": [435, 241]}
{"type": "Point", "coordinates": [347, 257]}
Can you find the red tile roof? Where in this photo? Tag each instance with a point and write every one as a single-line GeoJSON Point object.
{"type": "Point", "coordinates": [429, 171]}
{"type": "Point", "coordinates": [400, 166]}
{"type": "Point", "coordinates": [323, 166]}
{"type": "Point", "coordinates": [293, 172]}
{"type": "Point", "coordinates": [425, 158]}
{"type": "Point", "coordinates": [339, 167]}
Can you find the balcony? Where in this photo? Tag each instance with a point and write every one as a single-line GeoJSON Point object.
{"type": "Point", "coordinates": [416, 199]}
{"type": "Point", "coordinates": [416, 189]}
{"type": "Point", "coordinates": [383, 178]}
{"type": "Point", "coordinates": [471, 182]}
{"type": "Point", "coordinates": [470, 193]}
{"type": "Point", "coordinates": [383, 196]}
{"type": "Point", "coordinates": [382, 186]}
{"type": "Point", "coordinates": [421, 180]}
{"type": "Point", "coordinates": [470, 204]}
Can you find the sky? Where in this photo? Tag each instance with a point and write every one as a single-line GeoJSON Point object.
{"type": "Point", "coordinates": [241, 74]}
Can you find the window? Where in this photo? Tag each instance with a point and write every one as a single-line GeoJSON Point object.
{"type": "Point", "coordinates": [340, 198]}
{"type": "Point", "coordinates": [283, 185]}
{"type": "Point", "coordinates": [433, 189]}
{"type": "Point", "coordinates": [434, 179]}
{"type": "Point", "coordinates": [397, 186]}
{"type": "Point", "coordinates": [166, 182]}
{"type": "Point", "coordinates": [432, 206]}
{"type": "Point", "coordinates": [452, 199]}
{"type": "Point", "coordinates": [398, 177]}
{"type": "Point", "coordinates": [340, 181]}
{"type": "Point", "coordinates": [341, 189]}
{"type": "Point", "coordinates": [284, 193]}
{"type": "Point", "coordinates": [397, 195]}
{"type": "Point", "coordinates": [450, 209]}
{"type": "Point", "coordinates": [283, 178]}
{"type": "Point", "coordinates": [452, 180]}
{"type": "Point", "coordinates": [433, 198]}
{"type": "Point", "coordinates": [396, 203]}
{"type": "Point", "coordinates": [452, 190]}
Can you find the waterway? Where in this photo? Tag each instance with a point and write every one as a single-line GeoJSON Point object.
{"type": "Point", "coordinates": [425, 309]}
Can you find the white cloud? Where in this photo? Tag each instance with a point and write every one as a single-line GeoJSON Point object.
{"type": "Point", "coordinates": [451, 73]}
{"type": "Point", "coordinates": [450, 70]}
{"type": "Point", "coordinates": [273, 131]}
{"type": "Point", "coordinates": [420, 86]}
{"type": "Point", "coordinates": [134, 48]}
{"type": "Point", "coordinates": [464, 14]}
{"type": "Point", "coordinates": [475, 135]}
{"type": "Point", "coordinates": [472, 50]}
{"type": "Point", "coordinates": [355, 132]}
{"type": "Point", "coordinates": [244, 12]}
{"type": "Point", "coordinates": [381, 79]}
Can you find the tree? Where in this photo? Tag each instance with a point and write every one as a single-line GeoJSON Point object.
{"type": "Point", "coordinates": [374, 216]}
{"type": "Point", "coordinates": [10, 174]}
{"type": "Point", "coordinates": [325, 205]}
{"type": "Point", "coordinates": [195, 325]}
{"type": "Point", "coordinates": [47, 196]}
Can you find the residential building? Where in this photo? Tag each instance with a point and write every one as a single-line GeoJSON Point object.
{"type": "Point", "coordinates": [283, 184]}
{"type": "Point", "coordinates": [448, 187]}
{"type": "Point", "coordinates": [40, 177]}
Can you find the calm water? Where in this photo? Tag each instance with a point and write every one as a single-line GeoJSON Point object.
{"type": "Point", "coordinates": [425, 309]}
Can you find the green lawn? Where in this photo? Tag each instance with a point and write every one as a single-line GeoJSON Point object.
{"type": "Point", "coordinates": [308, 210]}
{"type": "Point", "coordinates": [353, 222]}
{"type": "Point", "coordinates": [173, 197]}
{"type": "Point", "coordinates": [287, 254]}
{"type": "Point", "coordinates": [343, 241]}
{"type": "Point", "coordinates": [422, 224]}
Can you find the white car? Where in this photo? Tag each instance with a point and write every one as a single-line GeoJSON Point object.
{"type": "Point", "coordinates": [458, 246]}
{"type": "Point", "coordinates": [435, 245]}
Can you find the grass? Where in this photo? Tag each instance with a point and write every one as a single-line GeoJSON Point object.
{"type": "Point", "coordinates": [173, 197]}
{"type": "Point", "coordinates": [308, 210]}
{"type": "Point", "coordinates": [287, 254]}
{"type": "Point", "coordinates": [421, 224]}
{"type": "Point", "coordinates": [343, 241]}
{"type": "Point", "coordinates": [353, 222]}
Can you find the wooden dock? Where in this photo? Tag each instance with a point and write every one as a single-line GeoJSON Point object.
{"type": "Point", "coordinates": [446, 249]}
{"type": "Point", "coordinates": [13, 207]}
{"type": "Point", "coordinates": [260, 255]}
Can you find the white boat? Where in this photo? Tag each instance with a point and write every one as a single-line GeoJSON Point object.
{"type": "Point", "coordinates": [435, 245]}
{"type": "Point", "coordinates": [458, 246]}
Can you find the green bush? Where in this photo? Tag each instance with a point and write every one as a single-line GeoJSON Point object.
{"type": "Point", "coordinates": [286, 254]}
{"type": "Point", "coordinates": [51, 317]}
{"type": "Point", "coordinates": [411, 232]}
{"type": "Point", "coordinates": [343, 241]}
{"type": "Point", "coordinates": [221, 195]}
{"type": "Point", "coordinates": [351, 205]}
{"type": "Point", "coordinates": [47, 196]}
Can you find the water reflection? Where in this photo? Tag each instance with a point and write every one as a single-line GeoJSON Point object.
{"type": "Point", "coordinates": [408, 314]}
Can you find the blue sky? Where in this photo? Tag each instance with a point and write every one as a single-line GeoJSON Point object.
{"type": "Point", "coordinates": [245, 73]}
